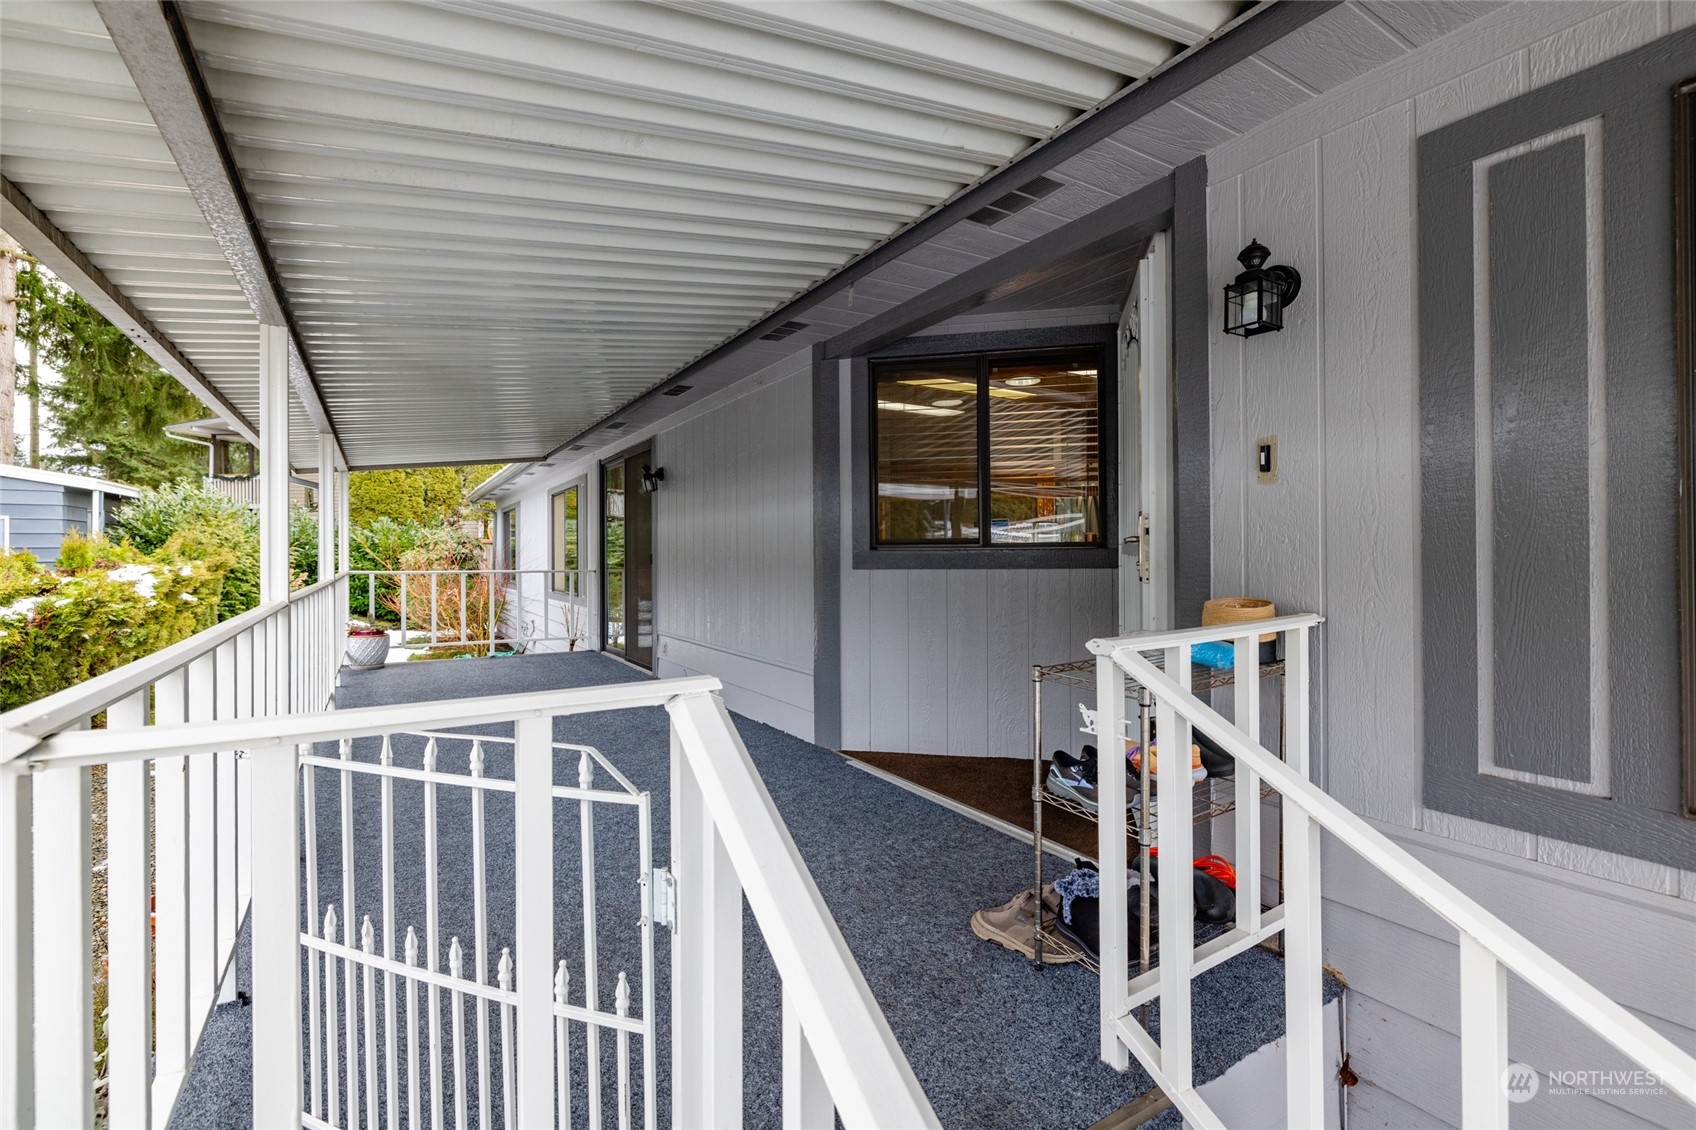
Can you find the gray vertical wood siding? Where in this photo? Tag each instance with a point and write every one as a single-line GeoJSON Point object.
{"type": "Point", "coordinates": [1329, 186]}
{"type": "Point", "coordinates": [734, 582]}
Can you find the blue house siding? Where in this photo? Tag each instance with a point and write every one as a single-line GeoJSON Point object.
{"type": "Point", "coordinates": [43, 513]}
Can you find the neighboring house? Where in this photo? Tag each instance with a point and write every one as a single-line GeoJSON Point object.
{"type": "Point", "coordinates": [906, 351]}
{"type": "Point", "coordinates": [232, 463]}
{"type": "Point", "coordinates": [39, 508]}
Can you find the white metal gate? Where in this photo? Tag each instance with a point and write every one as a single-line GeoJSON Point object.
{"type": "Point", "coordinates": [411, 878]}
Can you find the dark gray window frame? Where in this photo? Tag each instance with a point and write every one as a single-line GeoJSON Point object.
{"type": "Point", "coordinates": [1102, 556]}
{"type": "Point", "coordinates": [581, 486]}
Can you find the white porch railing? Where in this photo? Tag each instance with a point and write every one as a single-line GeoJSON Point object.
{"type": "Point", "coordinates": [728, 842]}
{"type": "Point", "coordinates": [244, 489]}
{"type": "Point", "coordinates": [482, 608]}
{"type": "Point", "coordinates": [1489, 948]}
{"type": "Point", "coordinates": [178, 850]}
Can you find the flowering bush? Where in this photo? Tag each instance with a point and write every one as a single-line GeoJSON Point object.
{"type": "Point", "coordinates": [58, 629]}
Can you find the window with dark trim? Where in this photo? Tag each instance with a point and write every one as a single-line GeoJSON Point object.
{"type": "Point", "coordinates": [565, 539]}
{"type": "Point", "coordinates": [988, 450]}
{"type": "Point", "coordinates": [510, 521]}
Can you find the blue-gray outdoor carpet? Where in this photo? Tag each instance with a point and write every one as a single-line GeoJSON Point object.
{"type": "Point", "coordinates": [994, 1043]}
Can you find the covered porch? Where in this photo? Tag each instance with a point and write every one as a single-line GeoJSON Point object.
{"type": "Point", "coordinates": [992, 1041]}
{"type": "Point", "coordinates": [683, 269]}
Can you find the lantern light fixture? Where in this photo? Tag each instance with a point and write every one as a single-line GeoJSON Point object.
{"type": "Point", "coordinates": [1255, 303]}
{"type": "Point", "coordinates": [652, 477]}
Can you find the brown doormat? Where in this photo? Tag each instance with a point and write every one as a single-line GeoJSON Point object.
{"type": "Point", "coordinates": [998, 786]}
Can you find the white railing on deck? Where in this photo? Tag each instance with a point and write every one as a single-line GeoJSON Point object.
{"type": "Point", "coordinates": [178, 850]}
{"type": "Point", "coordinates": [728, 841]}
{"type": "Point", "coordinates": [482, 608]}
{"type": "Point", "coordinates": [1489, 948]}
{"type": "Point", "coordinates": [244, 489]}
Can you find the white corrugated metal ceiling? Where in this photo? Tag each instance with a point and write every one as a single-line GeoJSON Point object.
{"type": "Point", "coordinates": [77, 139]}
{"type": "Point", "coordinates": [496, 223]}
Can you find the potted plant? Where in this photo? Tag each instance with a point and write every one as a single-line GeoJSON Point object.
{"type": "Point", "coordinates": [367, 646]}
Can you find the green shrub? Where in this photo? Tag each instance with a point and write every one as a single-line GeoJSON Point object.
{"type": "Point", "coordinates": [20, 576]}
{"type": "Point", "coordinates": [225, 547]}
{"type": "Point", "coordinates": [79, 554]}
{"type": "Point", "coordinates": [303, 547]}
{"type": "Point", "coordinates": [376, 547]}
{"type": "Point", "coordinates": [65, 629]}
{"type": "Point", "coordinates": [149, 521]}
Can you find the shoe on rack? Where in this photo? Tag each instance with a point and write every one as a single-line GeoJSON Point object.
{"type": "Point", "coordinates": [1215, 889]}
{"type": "Point", "coordinates": [1077, 766]}
{"type": "Point", "coordinates": [1073, 786]}
{"type": "Point", "coordinates": [1133, 757]}
{"type": "Point", "coordinates": [1084, 929]}
{"type": "Point", "coordinates": [1216, 761]}
{"type": "Point", "coordinates": [1013, 926]}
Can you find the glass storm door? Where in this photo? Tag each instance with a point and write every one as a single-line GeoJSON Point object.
{"type": "Point", "coordinates": [628, 553]}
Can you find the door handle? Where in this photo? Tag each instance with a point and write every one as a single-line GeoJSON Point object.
{"type": "Point", "coordinates": [1140, 540]}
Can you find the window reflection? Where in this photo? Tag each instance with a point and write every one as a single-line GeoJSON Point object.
{"type": "Point", "coordinates": [1044, 453]}
{"type": "Point", "coordinates": [927, 454]}
{"type": "Point", "coordinates": [1022, 429]}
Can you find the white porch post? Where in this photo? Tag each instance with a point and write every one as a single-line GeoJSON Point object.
{"type": "Point", "coordinates": [329, 505]}
{"type": "Point", "coordinates": [273, 463]}
{"type": "Point", "coordinates": [17, 949]}
{"type": "Point", "coordinates": [343, 484]}
{"type": "Point", "coordinates": [275, 858]}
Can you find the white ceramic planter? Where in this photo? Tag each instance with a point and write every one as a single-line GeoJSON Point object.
{"type": "Point", "coordinates": [367, 652]}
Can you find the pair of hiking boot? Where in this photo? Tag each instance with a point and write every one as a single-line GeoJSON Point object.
{"type": "Point", "coordinates": [1080, 902]}
{"type": "Point", "coordinates": [1014, 925]}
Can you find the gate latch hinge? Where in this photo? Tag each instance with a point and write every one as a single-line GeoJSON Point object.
{"type": "Point", "coordinates": [659, 897]}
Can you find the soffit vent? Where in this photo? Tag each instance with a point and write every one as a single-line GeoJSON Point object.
{"type": "Point", "coordinates": [576, 447]}
{"type": "Point", "coordinates": [677, 390]}
{"type": "Point", "coordinates": [785, 330]}
{"type": "Point", "coordinates": [618, 425]}
{"type": "Point", "coordinates": [1016, 201]}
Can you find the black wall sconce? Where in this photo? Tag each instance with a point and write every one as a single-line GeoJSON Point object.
{"type": "Point", "coordinates": [652, 477]}
{"type": "Point", "coordinates": [1255, 303]}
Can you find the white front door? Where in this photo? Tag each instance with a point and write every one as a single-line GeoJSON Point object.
{"type": "Point", "coordinates": [1145, 445]}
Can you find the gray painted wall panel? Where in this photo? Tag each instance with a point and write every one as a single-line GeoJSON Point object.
{"type": "Point", "coordinates": [1191, 394]}
{"type": "Point", "coordinates": [1369, 496]}
{"type": "Point", "coordinates": [735, 526]}
{"type": "Point", "coordinates": [927, 660]}
{"type": "Point", "coordinates": [1413, 1059]}
{"type": "Point", "coordinates": [1540, 480]}
{"type": "Point", "coordinates": [1638, 671]}
{"type": "Point", "coordinates": [886, 643]}
{"type": "Point", "coordinates": [1421, 983]}
{"type": "Point", "coordinates": [968, 660]}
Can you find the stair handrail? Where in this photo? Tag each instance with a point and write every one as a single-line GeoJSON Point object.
{"type": "Point", "coordinates": [1498, 942]}
{"type": "Point", "coordinates": [838, 1048]}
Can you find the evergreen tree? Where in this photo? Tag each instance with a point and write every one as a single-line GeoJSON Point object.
{"type": "Point", "coordinates": [111, 402]}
